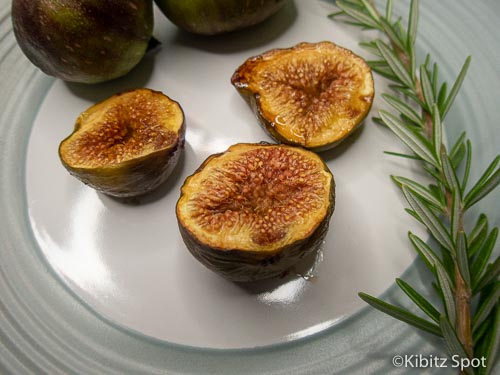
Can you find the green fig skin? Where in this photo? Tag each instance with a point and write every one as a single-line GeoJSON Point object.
{"type": "Point", "coordinates": [244, 266]}
{"type": "Point", "coordinates": [210, 17]}
{"type": "Point", "coordinates": [135, 177]}
{"type": "Point", "coordinates": [87, 41]}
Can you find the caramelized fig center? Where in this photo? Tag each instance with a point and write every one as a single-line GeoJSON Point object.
{"type": "Point", "coordinates": [129, 128]}
{"type": "Point", "coordinates": [312, 95]}
{"type": "Point", "coordinates": [263, 190]}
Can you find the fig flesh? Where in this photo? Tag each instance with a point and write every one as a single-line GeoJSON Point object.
{"type": "Point", "coordinates": [312, 95]}
{"type": "Point", "coordinates": [210, 17]}
{"type": "Point", "coordinates": [126, 145]}
{"type": "Point", "coordinates": [253, 211]}
{"type": "Point", "coordinates": [84, 41]}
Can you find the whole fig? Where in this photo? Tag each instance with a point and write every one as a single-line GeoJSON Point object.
{"type": "Point", "coordinates": [85, 41]}
{"type": "Point", "coordinates": [209, 17]}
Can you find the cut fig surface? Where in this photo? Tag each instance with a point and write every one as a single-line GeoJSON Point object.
{"type": "Point", "coordinates": [126, 145]}
{"type": "Point", "coordinates": [256, 209]}
{"type": "Point", "coordinates": [313, 94]}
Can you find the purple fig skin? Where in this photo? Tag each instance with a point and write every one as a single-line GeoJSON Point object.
{"type": "Point", "coordinates": [86, 41]}
{"type": "Point", "coordinates": [210, 17]}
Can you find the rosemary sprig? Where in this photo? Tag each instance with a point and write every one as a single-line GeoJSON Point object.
{"type": "Point", "coordinates": [467, 279]}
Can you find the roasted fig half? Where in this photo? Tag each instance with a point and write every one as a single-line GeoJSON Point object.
{"type": "Point", "coordinates": [126, 145]}
{"type": "Point", "coordinates": [312, 95]}
{"type": "Point", "coordinates": [253, 211]}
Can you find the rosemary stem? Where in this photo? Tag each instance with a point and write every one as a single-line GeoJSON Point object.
{"type": "Point", "coordinates": [462, 301]}
{"type": "Point", "coordinates": [463, 293]}
{"type": "Point", "coordinates": [428, 124]}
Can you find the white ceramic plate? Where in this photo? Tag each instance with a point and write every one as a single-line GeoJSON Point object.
{"type": "Point", "coordinates": [69, 253]}
{"type": "Point", "coordinates": [128, 261]}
